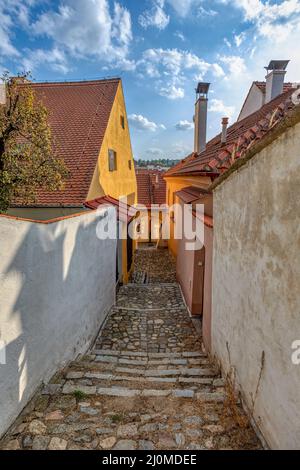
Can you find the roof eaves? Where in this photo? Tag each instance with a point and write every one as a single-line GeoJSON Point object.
{"type": "Point", "coordinates": [289, 120]}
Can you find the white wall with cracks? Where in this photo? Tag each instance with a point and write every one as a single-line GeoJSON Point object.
{"type": "Point", "coordinates": [256, 285]}
{"type": "Point", "coordinates": [57, 284]}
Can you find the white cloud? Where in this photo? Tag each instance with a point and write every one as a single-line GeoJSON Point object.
{"type": "Point", "coordinates": [236, 66]}
{"type": "Point", "coordinates": [184, 126]}
{"type": "Point", "coordinates": [218, 106]}
{"type": "Point", "coordinates": [88, 27]}
{"type": "Point", "coordinates": [170, 66]}
{"type": "Point", "coordinates": [155, 17]}
{"type": "Point", "coordinates": [239, 39]}
{"type": "Point", "coordinates": [179, 35]}
{"type": "Point", "coordinates": [183, 7]}
{"type": "Point", "coordinates": [171, 92]}
{"type": "Point", "coordinates": [54, 58]}
{"type": "Point", "coordinates": [142, 123]}
{"type": "Point", "coordinates": [275, 21]}
{"type": "Point", "coordinates": [206, 12]}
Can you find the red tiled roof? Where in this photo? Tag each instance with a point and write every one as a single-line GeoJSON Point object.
{"type": "Point", "coordinates": [191, 194]}
{"type": "Point", "coordinates": [124, 211]}
{"type": "Point", "coordinates": [216, 159]}
{"type": "Point", "coordinates": [78, 117]}
{"type": "Point", "coordinates": [151, 187]}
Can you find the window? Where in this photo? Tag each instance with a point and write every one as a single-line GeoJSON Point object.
{"type": "Point", "coordinates": [112, 160]}
{"type": "Point", "coordinates": [123, 122]}
{"type": "Point", "coordinates": [129, 164]}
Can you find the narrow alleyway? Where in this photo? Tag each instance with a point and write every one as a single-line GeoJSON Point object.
{"type": "Point", "coordinates": [146, 384]}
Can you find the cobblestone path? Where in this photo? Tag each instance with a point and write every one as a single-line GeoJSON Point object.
{"type": "Point", "coordinates": [146, 384]}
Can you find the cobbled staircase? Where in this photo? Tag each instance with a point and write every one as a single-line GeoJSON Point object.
{"type": "Point", "coordinates": [145, 384]}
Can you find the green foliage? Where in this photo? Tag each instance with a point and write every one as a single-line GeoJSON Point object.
{"type": "Point", "coordinates": [27, 152]}
{"type": "Point", "coordinates": [163, 162]}
{"type": "Point", "coordinates": [79, 395]}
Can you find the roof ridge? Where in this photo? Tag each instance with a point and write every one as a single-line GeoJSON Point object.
{"type": "Point", "coordinates": [75, 82]}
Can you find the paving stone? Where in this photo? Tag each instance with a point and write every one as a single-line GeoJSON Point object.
{"type": "Point", "coordinates": [127, 430]}
{"type": "Point", "coordinates": [54, 416]}
{"type": "Point", "coordinates": [40, 442]}
{"type": "Point", "coordinates": [210, 397]}
{"type": "Point", "coordinates": [183, 393]}
{"type": "Point", "coordinates": [194, 420]}
{"type": "Point", "coordinates": [179, 439]}
{"type": "Point", "coordinates": [146, 445]}
{"type": "Point", "coordinates": [27, 441]}
{"type": "Point", "coordinates": [12, 445]}
{"type": "Point", "coordinates": [215, 428]}
{"type": "Point", "coordinates": [37, 427]}
{"type": "Point", "coordinates": [89, 411]}
{"type": "Point", "coordinates": [57, 443]}
{"type": "Point", "coordinates": [125, 444]}
{"type": "Point", "coordinates": [146, 380]}
{"type": "Point", "coordinates": [117, 392]}
{"type": "Point", "coordinates": [75, 375]}
{"type": "Point", "coordinates": [166, 442]}
{"type": "Point", "coordinates": [51, 389]}
{"type": "Point", "coordinates": [104, 431]}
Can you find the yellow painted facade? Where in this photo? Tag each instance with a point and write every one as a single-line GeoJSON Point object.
{"type": "Point", "coordinates": [122, 181]}
{"type": "Point", "coordinates": [175, 184]}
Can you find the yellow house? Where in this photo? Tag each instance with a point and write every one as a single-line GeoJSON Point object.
{"type": "Point", "coordinates": [90, 133]}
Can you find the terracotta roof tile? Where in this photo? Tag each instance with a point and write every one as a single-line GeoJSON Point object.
{"type": "Point", "coordinates": [191, 194]}
{"type": "Point", "coordinates": [240, 137]}
{"type": "Point", "coordinates": [78, 117]}
{"type": "Point", "coordinates": [151, 187]}
{"type": "Point", "coordinates": [125, 212]}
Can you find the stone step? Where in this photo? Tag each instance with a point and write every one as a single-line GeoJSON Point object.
{"type": "Point", "coordinates": [149, 355]}
{"type": "Point", "coordinates": [169, 371]}
{"type": "Point", "coordinates": [151, 363]}
{"type": "Point", "coordinates": [209, 397]}
{"type": "Point", "coordinates": [94, 377]}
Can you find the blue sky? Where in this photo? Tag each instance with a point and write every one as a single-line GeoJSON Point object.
{"type": "Point", "coordinates": [161, 49]}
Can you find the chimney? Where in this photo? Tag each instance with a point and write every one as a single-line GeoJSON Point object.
{"type": "Point", "coordinates": [2, 93]}
{"type": "Point", "coordinates": [276, 71]}
{"type": "Point", "coordinates": [201, 117]}
{"type": "Point", "coordinates": [225, 121]}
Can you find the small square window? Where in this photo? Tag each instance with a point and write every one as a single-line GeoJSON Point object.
{"type": "Point", "coordinates": [129, 164]}
{"type": "Point", "coordinates": [123, 122]}
{"type": "Point", "coordinates": [112, 160]}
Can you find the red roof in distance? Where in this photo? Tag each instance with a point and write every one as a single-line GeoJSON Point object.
{"type": "Point", "coordinates": [151, 187]}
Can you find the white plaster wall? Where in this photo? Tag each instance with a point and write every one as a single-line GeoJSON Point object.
{"type": "Point", "coordinates": [57, 283]}
{"type": "Point", "coordinates": [254, 101]}
{"type": "Point", "coordinates": [256, 285]}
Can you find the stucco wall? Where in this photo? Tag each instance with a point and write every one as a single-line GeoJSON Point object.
{"type": "Point", "coordinates": [121, 182]}
{"type": "Point", "coordinates": [57, 283]}
{"type": "Point", "coordinates": [256, 285]}
{"type": "Point", "coordinates": [45, 213]}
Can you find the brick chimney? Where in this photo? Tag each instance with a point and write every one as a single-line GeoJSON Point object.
{"type": "Point", "coordinates": [200, 118]}
{"type": "Point", "coordinates": [276, 71]}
